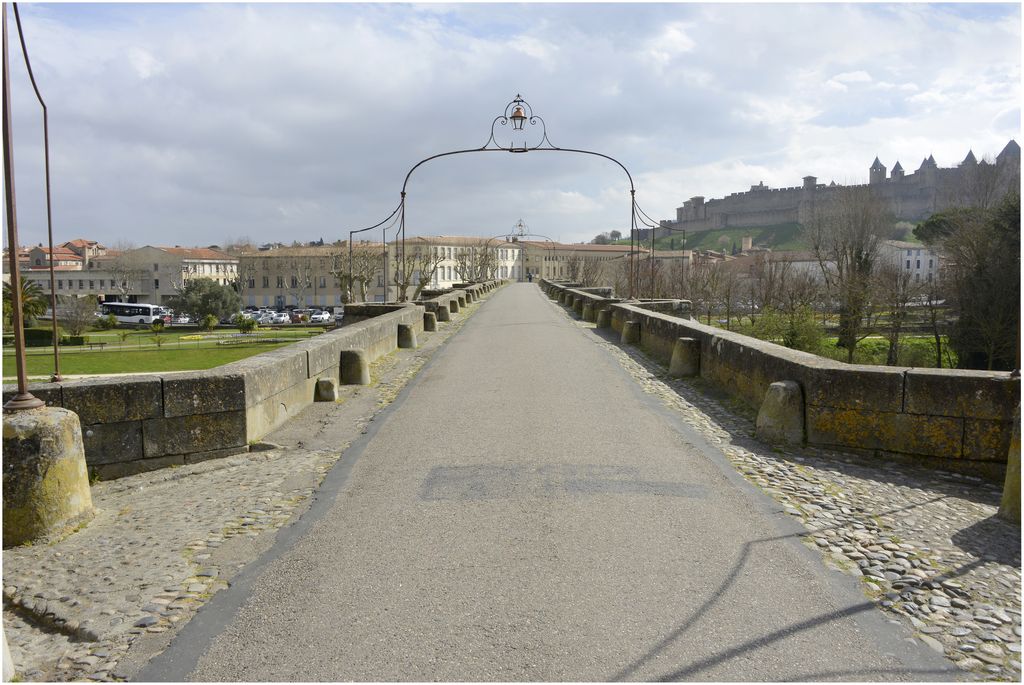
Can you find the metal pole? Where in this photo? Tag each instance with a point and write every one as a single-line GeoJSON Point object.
{"type": "Point", "coordinates": [652, 261]}
{"type": "Point", "coordinates": [56, 377]}
{"type": "Point", "coordinates": [23, 399]}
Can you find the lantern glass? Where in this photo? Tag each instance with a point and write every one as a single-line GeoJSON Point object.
{"type": "Point", "coordinates": [518, 118]}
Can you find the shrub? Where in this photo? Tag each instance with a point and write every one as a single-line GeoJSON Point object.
{"type": "Point", "coordinates": [245, 324]}
{"type": "Point", "coordinates": [208, 323]}
{"type": "Point", "coordinates": [73, 340]}
{"type": "Point", "coordinates": [106, 323]}
{"type": "Point", "coordinates": [38, 337]}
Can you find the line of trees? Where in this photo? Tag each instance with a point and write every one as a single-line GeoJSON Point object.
{"type": "Point", "coordinates": [862, 289]}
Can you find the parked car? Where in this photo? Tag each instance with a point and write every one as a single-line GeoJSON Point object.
{"type": "Point", "coordinates": [181, 319]}
{"type": "Point", "coordinates": [299, 315]}
{"type": "Point", "coordinates": [265, 318]}
{"type": "Point", "coordinates": [317, 316]}
{"type": "Point", "coordinates": [281, 317]}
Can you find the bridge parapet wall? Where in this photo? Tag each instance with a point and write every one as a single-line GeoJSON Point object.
{"type": "Point", "coordinates": [132, 424]}
{"type": "Point", "coordinates": [960, 420]}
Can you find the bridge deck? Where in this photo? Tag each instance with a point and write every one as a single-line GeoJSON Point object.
{"type": "Point", "coordinates": [525, 512]}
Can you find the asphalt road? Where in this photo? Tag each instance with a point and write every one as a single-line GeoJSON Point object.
{"type": "Point", "coordinates": [524, 512]}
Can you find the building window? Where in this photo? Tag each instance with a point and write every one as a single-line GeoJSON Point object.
{"type": "Point", "coordinates": [92, 285]}
{"type": "Point", "coordinates": [280, 281]}
{"type": "Point", "coordinates": [917, 278]}
{"type": "Point", "coordinates": [39, 262]}
{"type": "Point", "coordinates": [60, 285]}
{"type": "Point", "coordinates": [380, 281]}
{"type": "Point", "coordinates": [295, 281]}
{"type": "Point", "coordinates": [929, 276]}
{"type": "Point", "coordinates": [919, 264]}
{"type": "Point", "coordinates": [81, 285]}
{"type": "Point", "coordinates": [909, 252]}
{"type": "Point", "coordinates": [266, 281]}
{"type": "Point", "coordinates": [908, 263]}
{"type": "Point", "coordinates": [156, 284]}
{"type": "Point", "coordinates": [252, 283]}
{"type": "Point", "coordinates": [323, 281]}
{"type": "Point", "coordinates": [929, 263]}
{"type": "Point", "coordinates": [102, 284]}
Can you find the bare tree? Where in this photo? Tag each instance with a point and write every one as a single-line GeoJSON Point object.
{"type": "Point", "coordinates": [574, 267]}
{"type": "Point", "coordinates": [592, 272]}
{"type": "Point", "coordinates": [425, 265]}
{"type": "Point", "coordinates": [365, 267]}
{"type": "Point", "coordinates": [766, 281]}
{"type": "Point", "coordinates": [127, 270]}
{"type": "Point", "coordinates": [299, 279]}
{"type": "Point", "coordinates": [246, 278]}
{"type": "Point", "coordinates": [77, 314]}
{"type": "Point", "coordinates": [982, 185]}
{"type": "Point", "coordinates": [935, 311]}
{"type": "Point", "coordinates": [896, 290]}
{"type": "Point", "coordinates": [845, 232]}
{"type": "Point", "coordinates": [728, 290]}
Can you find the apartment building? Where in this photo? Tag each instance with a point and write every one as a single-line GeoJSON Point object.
{"type": "Point", "coordinates": [146, 274]}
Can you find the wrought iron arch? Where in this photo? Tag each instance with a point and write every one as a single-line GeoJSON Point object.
{"type": "Point", "coordinates": [523, 125]}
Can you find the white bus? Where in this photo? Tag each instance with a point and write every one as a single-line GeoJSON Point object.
{"type": "Point", "coordinates": [138, 313]}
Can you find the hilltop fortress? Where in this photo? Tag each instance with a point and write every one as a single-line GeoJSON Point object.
{"type": "Point", "coordinates": [911, 197]}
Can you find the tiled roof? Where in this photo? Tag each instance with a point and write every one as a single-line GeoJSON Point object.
{"type": "Point", "coordinates": [196, 253]}
{"type": "Point", "coordinates": [579, 247]}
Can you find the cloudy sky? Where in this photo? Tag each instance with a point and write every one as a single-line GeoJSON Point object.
{"type": "Point", "coordinates": [197, 124]}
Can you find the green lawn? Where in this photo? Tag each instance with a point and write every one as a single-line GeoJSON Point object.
{"type": "Point", "coordinates": [151, 360]}
{"type": "Point", "coordinates": [179, 350]}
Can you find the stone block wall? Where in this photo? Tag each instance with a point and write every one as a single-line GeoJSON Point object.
{"type": "Point", "coordinates": [132, 424]}
{"type": "Point", "coordinates": [961, 420]}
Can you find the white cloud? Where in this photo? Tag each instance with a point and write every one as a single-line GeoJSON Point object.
{"type": "Point", "coordinates": [188, 123]}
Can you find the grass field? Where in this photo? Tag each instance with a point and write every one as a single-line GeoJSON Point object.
{"type": "Point", "coordinates": [40, 364]}
{"type": "Point", "coordinates": [778, 237]}
{"type": "Point", "coordinates": [180, 349]}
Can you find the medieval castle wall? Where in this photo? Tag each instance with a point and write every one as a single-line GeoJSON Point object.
{"type": "Point", "coordinates": [911, 197]}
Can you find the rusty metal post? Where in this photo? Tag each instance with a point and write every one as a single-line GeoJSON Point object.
{"type": "Point", "coordinates": [24, 399]}
{"type": "Point", "coordinates": [56, 377]}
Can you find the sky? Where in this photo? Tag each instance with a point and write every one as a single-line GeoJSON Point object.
{"type": "Point", "coordinates": [201, 124]}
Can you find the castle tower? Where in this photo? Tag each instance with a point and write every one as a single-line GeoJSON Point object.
{"type": "Point", "coordinates": [876, 172]}
{"type": "Point", "coordinates": [1010, 154]}
{"type": "Point", "coordinates": [970, 159]}
{"type": "Point", "coordinates": [897, 172]}
{"type": "Point", "coordinates": [927, 172]}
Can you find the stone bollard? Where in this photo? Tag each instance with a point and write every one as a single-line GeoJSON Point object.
{"type": "Point", "coordinates": [577, 305]}
{"type": "Point", "coordinates": [604, 318]}
{"type": "Point", "coordinates": [442, 313]}
{"type": "Point", "coordinates": [781, 416]}
{"type": "Point", "coordinates": [355, 367]}
{"type": "Point", "coordinates": [630, 332]}
{"type": "Point", "coordinates": [588, 312]}
{"type": "Point", "coordinates": [46, 483]}
{"type": "Point", "coordinates": [406, 336]}
{"type": "Point", "coordinates": [463, 300]}
{"type": "Point", "coordinates": [326, 390]}
{"type": "Point", "coordinates": [429, 322]}
{"type": "Point", "coordinates": [1009, 508]}
{"type": "Point", "coordinates": [453, 305]}
{"type": "Point", "coordinates": [685, 358]}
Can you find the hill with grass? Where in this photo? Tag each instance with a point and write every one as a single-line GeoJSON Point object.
{"type": "Point", "coordinates": [778, 237]}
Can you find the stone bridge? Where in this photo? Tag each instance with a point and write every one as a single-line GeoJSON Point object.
{"type": "Point", "coordinates": [563, 493]}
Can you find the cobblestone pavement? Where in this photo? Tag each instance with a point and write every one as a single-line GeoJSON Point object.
{"type": "Point", "coordinates": [96, 604]}
{"type": "Point", "coordinates": [927, 544]}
